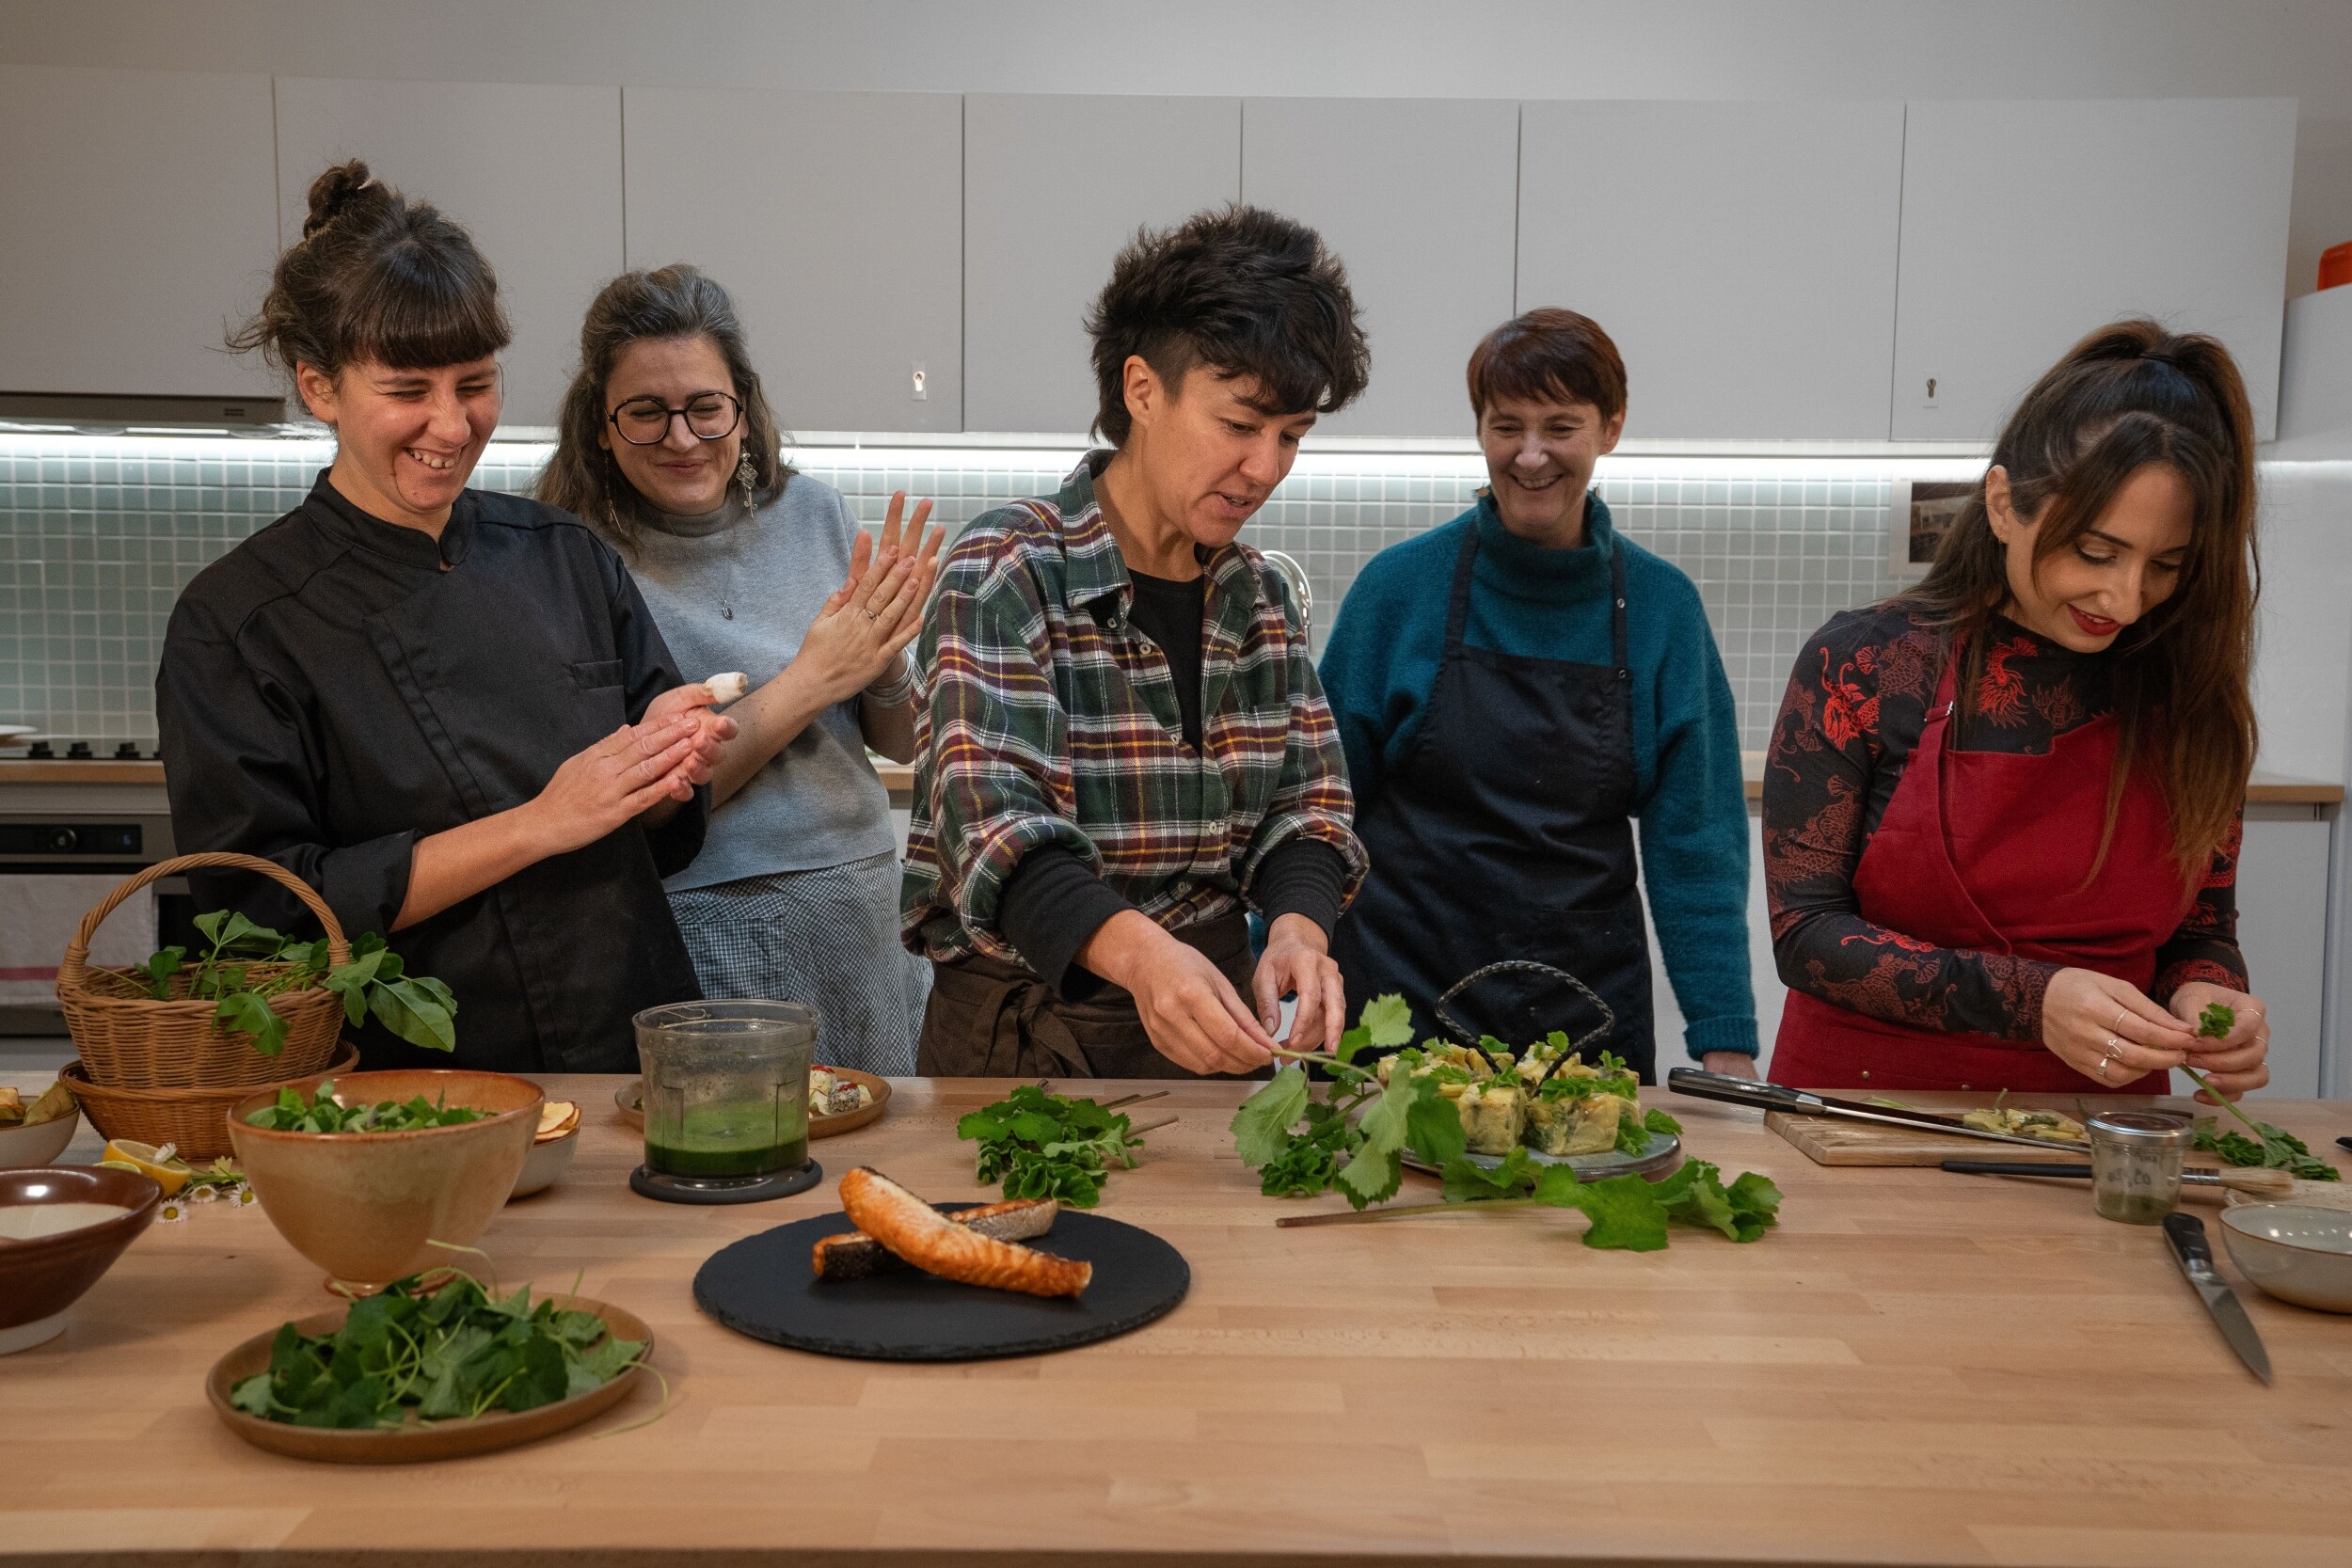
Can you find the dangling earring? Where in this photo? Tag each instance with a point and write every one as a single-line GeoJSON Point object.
{"type": "Point", "coordinates": [745, 472]}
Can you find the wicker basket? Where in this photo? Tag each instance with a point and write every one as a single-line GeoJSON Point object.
{"type": "Point", "coordinates": [130, 1040]}
{"type": "Point", "coordinates": [195, 1119]}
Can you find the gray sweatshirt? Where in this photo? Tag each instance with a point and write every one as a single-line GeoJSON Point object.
{"type": "Point", "coordinates": [737, 592]}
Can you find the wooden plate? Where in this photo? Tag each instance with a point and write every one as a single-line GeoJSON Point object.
{"type": "Point", "coordinates": [629, 1098]}
{"type": "Point", "coordinates": [500, 1428]}
{"type": "Point", "coordinates": [1663, 1154]}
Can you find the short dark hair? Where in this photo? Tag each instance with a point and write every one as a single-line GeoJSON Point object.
{"type": "Point", "coordinates": [1548, 355]}
{"type": "Point", "coordinates": [671, 302]}
{"type": "Point", "coordinates": [1242, 290]}
{"type": "Point", "coordinates": [376, 277]}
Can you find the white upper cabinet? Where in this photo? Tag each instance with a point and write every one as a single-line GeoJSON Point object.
{"type": "Point", "coordinates": [1742, 257]}
{"type": "Point", "coordinates": [1418, 197]}
{"type": "Point", "coordinates": [835, 221]}
{"type": "Point", "coordinates": [2028, 224]}
{"type": "Point", "coordinates": [533, 173]}
{"type": "Point", "coordinates": [140, 225]}
{"type": "Point", "coordinates": [1053, 187]}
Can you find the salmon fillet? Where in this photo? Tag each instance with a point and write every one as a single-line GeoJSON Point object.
{"type": "Point", "coordinates": [938, 1245]}
{"type": "Point", "coordinates": [854, 1255]}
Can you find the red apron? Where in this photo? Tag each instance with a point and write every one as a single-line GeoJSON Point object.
{"type": "Point", "coordinates": [1989, 851]}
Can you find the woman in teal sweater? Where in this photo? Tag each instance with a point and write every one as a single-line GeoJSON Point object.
{"type": "Point", "coordinates": [1514, 691]}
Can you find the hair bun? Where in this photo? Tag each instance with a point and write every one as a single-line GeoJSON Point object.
{"type": "Point", "coordinates": [336, 192]}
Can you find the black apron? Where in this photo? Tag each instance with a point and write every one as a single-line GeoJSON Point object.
{"type": "Point", "coordinates": [1505, 832]}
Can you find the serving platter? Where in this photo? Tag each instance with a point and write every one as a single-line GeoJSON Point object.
{"type": "Point", "coordinates": [1663, 1154]}
{"type": "Point", "coordinates": [417, 1440]}
{"type": "Point", "coordinates": [629, 1098]}
{"type": "Point", "coordinates": [764, 1286]}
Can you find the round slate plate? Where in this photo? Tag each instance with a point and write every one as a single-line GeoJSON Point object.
{"type": "Point", "coordinates": [630, 1096]}
{"type": "Point", "coordinates": [763, 1286]}
{"type": "Point", "coordinates": [1663, 1154]}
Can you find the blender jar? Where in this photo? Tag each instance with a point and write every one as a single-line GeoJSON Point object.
{"type": "Point", "coordinates": [725, 1093]}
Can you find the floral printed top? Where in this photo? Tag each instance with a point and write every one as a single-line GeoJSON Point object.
{"type": "Point", "coordinates": [1856, 703]}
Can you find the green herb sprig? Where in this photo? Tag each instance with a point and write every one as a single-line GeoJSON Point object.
{"type": "Point", "coordinates": [1042, 1145]}
{"type": "Point", "coordinates": [1301, 1145]}
{"type": "Point", "coordinates": [320, 1113]}
{"type": "Point", "coordinates": [417, 1007]}
{"type": "Point", "coordinates": [2270, 1148]}
{"type": "Point", "coordinates": [449, 1354]}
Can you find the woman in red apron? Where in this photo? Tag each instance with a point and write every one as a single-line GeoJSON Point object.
{"type": "Point", "coordinates": [2001, 810]}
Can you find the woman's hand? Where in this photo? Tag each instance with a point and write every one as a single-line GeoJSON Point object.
{"type": "Point", "coordinates": [2239, 1060]}
{"type": "Point", "coordinates": [631, 771]}
{"type": "Point", "coordinates": [1298, 960]}
{"type": "Point", "coordinates": [712, 730]}
{"type": "Point", "coordinates": [2106, 1029]}
{"type": "Point", "coordinates": [1731, 1064]}
{"type": "Point", "coordinates": [866, 622]}
{"type": "Point", "coordinates": [1191, 1012]}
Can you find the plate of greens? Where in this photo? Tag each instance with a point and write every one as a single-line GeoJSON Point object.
{"type": "Point", "coordinates": [432, 1367]}
{"type": "Point", "coordinates": [1545, 1105]}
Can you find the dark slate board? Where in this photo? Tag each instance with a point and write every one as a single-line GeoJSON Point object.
{"type": "Point", "coordinates": [762, 1286]}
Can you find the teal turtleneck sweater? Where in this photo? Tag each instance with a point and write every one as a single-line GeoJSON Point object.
{"type": "Point", "coordinates": [1381, 659]}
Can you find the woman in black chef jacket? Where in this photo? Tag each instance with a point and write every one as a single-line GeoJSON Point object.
{"type": "Point", "coordinates": [447, 711]}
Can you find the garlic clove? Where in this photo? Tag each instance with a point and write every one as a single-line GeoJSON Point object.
{"type": "Point", "coordinates": [728, 688]}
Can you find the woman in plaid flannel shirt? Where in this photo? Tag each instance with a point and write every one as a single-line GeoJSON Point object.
{"type": "Point", "coordinates": [1125, 746]}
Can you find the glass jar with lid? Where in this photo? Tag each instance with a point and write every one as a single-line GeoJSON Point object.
{"type": "Point", "coordinates": [2135, 1160]}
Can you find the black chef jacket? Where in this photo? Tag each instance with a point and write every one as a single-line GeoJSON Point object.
{"type": "Point", "coordinates": [330, 695]}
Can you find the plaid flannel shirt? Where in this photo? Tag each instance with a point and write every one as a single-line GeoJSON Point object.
{"type": "Point", "coordinates": [1050, 719]}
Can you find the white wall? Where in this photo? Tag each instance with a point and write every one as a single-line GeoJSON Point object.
{"type": "Point", "coordinates": [1731, 49]}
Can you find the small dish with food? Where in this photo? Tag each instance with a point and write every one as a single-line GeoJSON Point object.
{"type": "Point", "coordinates": [35, 1132]}
{"type": "Point", "coordinates": [551, 1151]}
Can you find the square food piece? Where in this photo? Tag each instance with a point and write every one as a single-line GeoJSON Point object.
{"type": "Point", "coordinates": [1586, 1124]}
{"type": "Point", "coordinates": [1494, 1116]}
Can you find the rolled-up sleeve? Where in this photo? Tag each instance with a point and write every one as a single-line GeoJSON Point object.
{"type": "Point", "coordinates": [239, 768]}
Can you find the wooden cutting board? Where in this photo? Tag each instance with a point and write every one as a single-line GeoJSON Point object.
{"type": "Point", "coordinates": [1828, 1141]}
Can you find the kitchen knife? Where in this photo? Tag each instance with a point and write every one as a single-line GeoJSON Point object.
{"type": "Point", "coordinates": [1779, 1097]}
{"type": "Point", "coordinates": [2186, 1233]}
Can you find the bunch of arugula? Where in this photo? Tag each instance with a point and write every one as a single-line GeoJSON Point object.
{"type": "Point", "coordinates": [2271, 1148]}
{"type": "Point", "coordinates": [417, 1007]}
{"type": "Point", "coordinates": [449, 1354]}
{"type": "Point", "coordinates": [1301, 1145]}
{"type": "Point", "coordinates": [1042, 1145]}
{"type": "Point", "coordinates": [322, 1113]}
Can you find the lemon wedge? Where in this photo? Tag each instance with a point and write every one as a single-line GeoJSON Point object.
{"type": "Point", "coordinates": [164, 1164]}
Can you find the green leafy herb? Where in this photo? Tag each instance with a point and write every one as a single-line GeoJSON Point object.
{"type": "Point", "coordinates": [418, 1008]}
{"type": "Point", "coordinates": [1042, 1145]}
{"type": "Point", "coordinates": [1301, 1145]}
{"type": "Point", "coordinates": [320, 1113]}
{"type": "Point", "coordinates": [2217, 1020]}
{"type": "Point", "coordinates": [2271, 1148]}
{"type": "Point", "coordinates": [449, 1354]}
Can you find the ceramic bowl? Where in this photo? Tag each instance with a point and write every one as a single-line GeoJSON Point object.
{"type": "Point", "coordinates": [39, 1143]}
{"type": "Point", "coordinates": [43, 1270]}
{"type": "Point", "coordinates": [546, 1164]}
{"type": "Point", "coordinates": [2293, 1251]}
{"type": "Point", "coordinates": [366, 1207]}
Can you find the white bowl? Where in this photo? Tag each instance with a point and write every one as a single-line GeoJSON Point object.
{"type": "Point", "coordinates": [39, 1143]}
{"type": "Point", "coordinates": [2293, 1251]}
{"type": "Point", "coordinates": [545, 1163]}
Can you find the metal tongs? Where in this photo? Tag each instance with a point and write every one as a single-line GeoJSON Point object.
{"type": "Point", "coordinates": [1702, 1085]}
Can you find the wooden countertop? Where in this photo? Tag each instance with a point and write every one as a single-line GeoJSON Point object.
{"type": "Point", "coordinates": [2265, 788]}
{"type": "Point", "coordinates": [1914, 1367]}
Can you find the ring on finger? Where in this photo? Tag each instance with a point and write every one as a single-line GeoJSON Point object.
{"type": "Point", "coordinates": [2103, 1068]}
{"type": "Point", "coordinates": [2117, 1027]}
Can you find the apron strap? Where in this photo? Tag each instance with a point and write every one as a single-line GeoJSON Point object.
{"type": "Point", "coordinates": [1616, 621]}
{"type": "Point", "coordinates": [1457, 607]}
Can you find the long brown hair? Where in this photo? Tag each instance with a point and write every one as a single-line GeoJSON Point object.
{"type": "Point", "coordinates": [2129, 395]}
{"type": "Point", "coordinates": [376, 276]}
{"type": "Point", "coordinates": [675, 301]}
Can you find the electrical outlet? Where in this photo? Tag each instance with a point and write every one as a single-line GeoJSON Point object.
{"type": "Point", "coordinates": [1927, 398]}
{"type": "Point", "coordinates": [922, 383]}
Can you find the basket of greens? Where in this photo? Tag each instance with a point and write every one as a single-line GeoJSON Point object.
{"type": "Point", "coordinates": [251, 1006]}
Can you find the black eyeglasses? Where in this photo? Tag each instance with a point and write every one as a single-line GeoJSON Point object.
{"type": "Point", "coordinates": [708, 416]}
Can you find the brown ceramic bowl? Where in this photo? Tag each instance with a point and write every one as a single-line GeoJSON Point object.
{"type": "Point", "coordinates": [366, 1207]}
{"type": "Point", "coordinates": [42, 1277]}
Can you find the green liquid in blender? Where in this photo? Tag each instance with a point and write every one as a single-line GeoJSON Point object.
{"type": "Point", "coordinates": [742, 1139]}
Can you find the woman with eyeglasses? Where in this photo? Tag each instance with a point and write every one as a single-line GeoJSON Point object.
{"type": "Point", "coordinates": [447, 711]}
{"type": "Point", "coordinates": [668, 449]}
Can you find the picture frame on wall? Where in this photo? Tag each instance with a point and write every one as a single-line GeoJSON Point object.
{"type": "Point", "coordinates": [1923, 512]}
